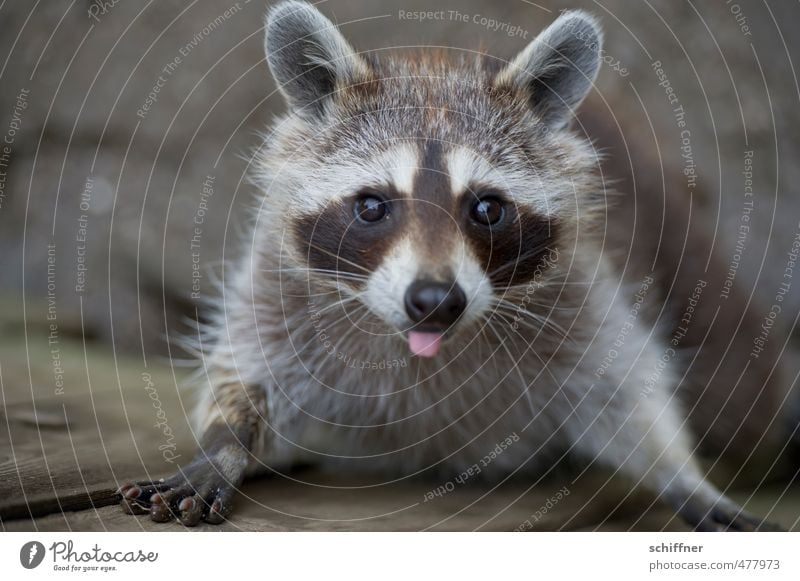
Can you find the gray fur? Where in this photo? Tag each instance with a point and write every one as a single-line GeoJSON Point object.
{"type": "Point", "coordinates": [493, 378]}
{"type": "Point", "coordinates": [307, 55]}
{"type": "Point", "coordinates": [559, 66]}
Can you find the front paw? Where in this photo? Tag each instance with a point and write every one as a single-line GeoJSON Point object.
{"type": "Point", "coordinates": [199, 491]}
{"type": "Point", "coordinates": [723, 515]}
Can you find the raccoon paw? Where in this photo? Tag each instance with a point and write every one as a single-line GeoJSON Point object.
{"type": "Point", "coordinates": [724, 515]}
{"type": "Point", "coordinates": [200, 491]}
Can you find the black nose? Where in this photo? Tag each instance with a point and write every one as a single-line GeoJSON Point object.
{"type": "Point", "coordinates": [435, 303]}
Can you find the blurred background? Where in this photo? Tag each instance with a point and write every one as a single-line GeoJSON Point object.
{"type": "Point", "coordinates": [128, 108]}
{"type": "Point", "coordinates": [127, 129]}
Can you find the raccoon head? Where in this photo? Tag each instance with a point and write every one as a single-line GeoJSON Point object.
{"type": "Point", "coordinates": [430, 188]}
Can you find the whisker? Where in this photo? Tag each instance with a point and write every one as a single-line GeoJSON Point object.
{"type": "Point", "coordinates": [337, 257]}
{"type": "Point", "coordinates": [323, 356]}
{"type": "Point", "coordinates": [353, 326]}
{"type": "Point", "coordinates": [518, 300]}
{"type": "Point", "coordinates": [330, 325]}
{"type": "Point", "coordinates": [325, 271]}
{"type": "Point", "coordinates": [338, 303]}
{"type": "Point", "coordinates": [520, 257]}
{"type": "Point", "coordinates": [309, 295]}
{"type": "Point", "coordinates": [515, 361]}
{"type": "Point", "coordinates": [545, 322]}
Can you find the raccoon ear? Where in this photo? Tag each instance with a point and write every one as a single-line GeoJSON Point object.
{"type": "Point", "coordinates": [557, 69]}
{"type": "Point", "coordinates": [308, 56]}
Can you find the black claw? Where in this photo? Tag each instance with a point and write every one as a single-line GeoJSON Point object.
{"type": "Point", "coordinates": [191, 510]}
{"type": "Point", "coordinates": [218, 512]}
{"type": "Point", "coordinates": [160, 509]}
{"type": "Point", "coordinates": [133, 507]}
{"type": "Point", "coordinates": [133, 492]}
{"type": "Point", "coordinates": [124, 488]}
{"type": "Point", "coordinates": [199, 492]}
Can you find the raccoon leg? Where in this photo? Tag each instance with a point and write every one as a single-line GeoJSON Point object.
{"type": "Point", "coordinates": [203, 490]}
{"type": "Point", "coordinates": [647, 442]}
{"type": "Point", "coordinates": [705, 508]}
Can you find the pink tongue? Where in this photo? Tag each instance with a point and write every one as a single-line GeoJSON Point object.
{"type": "Point", "coordinates": [424, 344]}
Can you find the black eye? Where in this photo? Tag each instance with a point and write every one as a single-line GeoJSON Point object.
{"type": "Point", "coordinates": [487, 211]}
{"type": "Point", "coordinates": [369, 208]}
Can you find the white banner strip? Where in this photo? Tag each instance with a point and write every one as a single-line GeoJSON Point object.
{"type": "Point", "coordinates": [401, 556]}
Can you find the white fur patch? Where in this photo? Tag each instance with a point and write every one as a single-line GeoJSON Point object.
{"type": "Point", "coordinates": [525, 185]}
{"type": "Point", "coordinates": [465, 167]}
{"type": "Point", "coordinates": [385, 292]}
{"type": "Point", "coordinates": [401, 163]}
{"type": "Point", "coordinates": [324, 184]}
{"type": "Point", "coordinates": [473, 281]}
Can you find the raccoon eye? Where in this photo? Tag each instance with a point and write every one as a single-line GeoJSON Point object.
{"type": "Point", "coordinates": [369, 208]}
{"type": "Point", "coordinates": [487, 211]}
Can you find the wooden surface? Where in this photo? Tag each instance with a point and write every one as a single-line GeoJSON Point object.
{"type": "Point", "coordinates": [63, 454]}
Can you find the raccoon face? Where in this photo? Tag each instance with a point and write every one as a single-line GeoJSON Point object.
{"type": "Point", "coordinates": [430, 189]}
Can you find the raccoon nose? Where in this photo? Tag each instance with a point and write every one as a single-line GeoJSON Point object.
{"type": "Point", "coordinates": [435, 303]}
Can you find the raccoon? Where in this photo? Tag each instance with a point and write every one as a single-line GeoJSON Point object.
{"type": "Point", "coordinates": [425, 278]}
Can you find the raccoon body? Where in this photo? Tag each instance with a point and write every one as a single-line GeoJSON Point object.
{"type": "Point", "coordinates": [334, 390]}
{"type": "Point", "coordinates": [426, 279]}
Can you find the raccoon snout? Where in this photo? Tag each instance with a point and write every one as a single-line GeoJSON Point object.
{"type": "Point", "coordinates": [434, 304]}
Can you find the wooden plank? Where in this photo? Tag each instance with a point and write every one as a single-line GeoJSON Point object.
{"type": "Point", "coordinates": [62, 455]}
{"type": "Point", "coordinates": [65, 449]}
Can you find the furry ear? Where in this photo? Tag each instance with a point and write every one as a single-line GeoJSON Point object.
{"type": "Point", "coordinates": [557, 69]}
{"type": "Point", "coordinates": [308, 56]}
